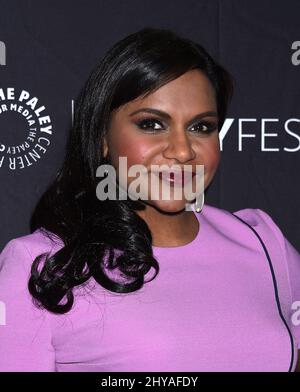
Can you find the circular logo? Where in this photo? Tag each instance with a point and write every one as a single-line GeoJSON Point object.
{"type": "Point", "coordinates": [25, 129]}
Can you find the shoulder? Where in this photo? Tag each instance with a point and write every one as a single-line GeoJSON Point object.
{"type": "Point", "coordinates": [263, 221]}
{"type": "Point", "coordinates": [246, 226]}
{"type": "Point", "coordinates": [253, 216]}
{"type": "Point", "coordinates": [238, 222]}
{"type": "Point", "coordinates": [26, 337]}
{"type": "Point", "coordinates": [283, 256]}
{"type": "Point", "coordinates": [31, 245]}
{"type": "Point", "coordinates": [18, 254]}
{"type": "Point", "coordinates": [257, 217]}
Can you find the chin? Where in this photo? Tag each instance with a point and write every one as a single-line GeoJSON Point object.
{"type": "Point", "coordinates": [169, 206]}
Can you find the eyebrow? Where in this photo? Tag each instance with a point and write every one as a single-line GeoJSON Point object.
{"type": "Point", "coordinates": [168, 117]}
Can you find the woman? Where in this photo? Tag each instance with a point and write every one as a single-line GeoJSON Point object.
{"type": "Point", "coordinates": [80, 292]}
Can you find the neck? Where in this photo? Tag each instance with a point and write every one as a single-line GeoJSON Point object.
{"type": "Point", "coordinates": [170, 229]}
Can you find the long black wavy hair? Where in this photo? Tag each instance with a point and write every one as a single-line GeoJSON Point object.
{"type": "Point", "coordinates": [69, 210]}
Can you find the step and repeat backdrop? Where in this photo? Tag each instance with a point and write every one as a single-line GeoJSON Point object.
{"type": "Point", "coordinates": [48, 48]}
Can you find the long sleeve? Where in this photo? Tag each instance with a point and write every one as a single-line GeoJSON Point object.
{"type": "Point", "coordinates": [292, 261]}
{"type": "Point", "coordinates": [25, 333]}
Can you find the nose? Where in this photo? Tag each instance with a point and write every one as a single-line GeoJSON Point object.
{"type": "Point", "coordinates": [179, 147]}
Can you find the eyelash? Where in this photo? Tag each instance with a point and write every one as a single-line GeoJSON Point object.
{"type": "Point", "coordinates": [210, 126]}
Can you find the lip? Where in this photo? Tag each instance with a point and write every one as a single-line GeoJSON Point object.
{"type": "Point", "coordinates": [175, 178]}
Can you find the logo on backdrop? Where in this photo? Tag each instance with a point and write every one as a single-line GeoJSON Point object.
{"type": "Point", "coordinates": [26, 129]}
{"type": "Point", "coordinates": [264, 132]}
{"type": "Point", "coordinates": [2, 53]}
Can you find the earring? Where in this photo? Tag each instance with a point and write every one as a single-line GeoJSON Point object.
{"type": "Point", "coordinates": [199, 203]}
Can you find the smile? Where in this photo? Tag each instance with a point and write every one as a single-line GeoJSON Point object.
{"type": "Point", "coordinates": [175, 178]}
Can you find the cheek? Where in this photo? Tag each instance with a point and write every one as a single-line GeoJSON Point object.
{"type": "Point", "coordinates": [209, 154]}
{"type": "Point", "coordinates": [135, 149]}
{"type": "Point", "coordinates": [214, 158]}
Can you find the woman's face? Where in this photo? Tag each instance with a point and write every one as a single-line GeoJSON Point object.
{"type": "Point", "coordinates": [171, 126]}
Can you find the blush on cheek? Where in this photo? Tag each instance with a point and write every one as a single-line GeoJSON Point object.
{"type": "Point", "coordinates": [133, 156]}
{"type": "Point", "coordinates": [211, 159]}
{"type": "Point", "coordinates": [215, 158]}
{"type": "Point", "coordinates": [212, 165]}
{"type": "Point", "coordinates": [136, 153]}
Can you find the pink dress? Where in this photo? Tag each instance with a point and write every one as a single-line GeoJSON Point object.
{"type": "Point", "coordinates": [223, 302]}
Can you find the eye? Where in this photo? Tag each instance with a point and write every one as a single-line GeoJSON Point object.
{"type": "Point", "coordinates": [149, 124]}
{"type": "Point", "coordinates": [204, 127]}
{"type": "Point", "coordinates": [152, 125]}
